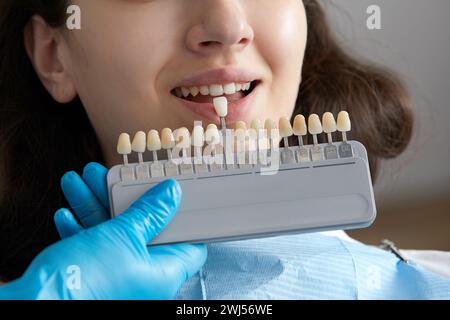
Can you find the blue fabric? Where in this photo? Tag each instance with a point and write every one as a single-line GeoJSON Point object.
{"type": "Point", "coordinates": [312, 266]}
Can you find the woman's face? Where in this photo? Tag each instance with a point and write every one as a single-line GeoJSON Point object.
{"type": "Point", "coordinates": [132, 57]}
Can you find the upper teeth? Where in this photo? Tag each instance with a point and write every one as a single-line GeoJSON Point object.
{"type": "Point", "coordinates": [214, 90]}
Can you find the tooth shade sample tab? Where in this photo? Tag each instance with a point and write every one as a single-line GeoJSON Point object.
{"type": "Point", "coordinates": [221, 106]}
{"type": "Point", "coordinates": [167, 139]}
{"type": "Point", "coordinates": [124, 144]}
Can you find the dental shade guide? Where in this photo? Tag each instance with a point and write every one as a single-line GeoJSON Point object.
{"type": "Point", "coordinates": [314, 188]}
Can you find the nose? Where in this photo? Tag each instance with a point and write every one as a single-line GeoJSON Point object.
{"type": "Point", "coordinates": [220, 25]}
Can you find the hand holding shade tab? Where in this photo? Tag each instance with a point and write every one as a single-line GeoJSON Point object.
{"type": "Point", "coordinates": [316, 187]}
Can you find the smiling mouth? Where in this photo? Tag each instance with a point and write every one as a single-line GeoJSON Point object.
{"type": "Point", "coordinates": [205, 94]}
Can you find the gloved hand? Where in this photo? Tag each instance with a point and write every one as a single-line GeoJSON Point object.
{"type": "Point", "coordinates": [111, 260]}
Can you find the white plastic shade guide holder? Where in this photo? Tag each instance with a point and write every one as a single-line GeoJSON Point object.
{"type": "Point", "coordinates": [241, 204]}
{"type": "Point", "coordinates": [317, 187]}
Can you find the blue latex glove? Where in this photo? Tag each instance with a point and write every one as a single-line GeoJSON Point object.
{"type": "Point", "coordinates": [111, 260]}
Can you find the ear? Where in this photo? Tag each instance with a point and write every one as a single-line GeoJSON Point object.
{"type": "Point", "coordinates": [44, 48]}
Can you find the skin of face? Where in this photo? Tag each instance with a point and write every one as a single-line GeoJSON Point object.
{"type": "Point", "coordinates": [129, 55]}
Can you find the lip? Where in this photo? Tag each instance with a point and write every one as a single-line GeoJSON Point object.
{"type": "Point", "coordinates": [236, 110]}
{"type": "Point", "coordinates": [217, 76]}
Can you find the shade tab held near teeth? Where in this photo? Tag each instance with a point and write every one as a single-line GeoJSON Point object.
{"type": "Point", "coordinates": [314, 124]}
{"type": "Point", "coordinates": [153, 141]}
{"type": "Point", "coordinates": [285, 127]}
{"type": "Point", "coordinates": [167, 138]}
{"type": "Point", "coordinates": [182, 138]}
{"type": "Point", "coordinates": [328, 123]}
{"type": "Point", "coordinates": [300, 128]}
{"type": "Point", "coordinates": [221, 106]}
{"type": "Point", "coordinates": [139, 142]}
{"type": "Point", "coordinates": [343, 122]}
{"type": "Point", "coordinates": [124, 144]}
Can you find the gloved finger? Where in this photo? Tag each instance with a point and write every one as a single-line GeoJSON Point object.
{"type": "Point", "coordinates": [95, 176]}
{"type": "Point", "coordinates": [82, 200]}
{"type": "Point", "coordinates": [147, 216]}
{"type": "Point", "coordinates": [66, 224]}
{"type": "Point", "coordinates": [179, 261]}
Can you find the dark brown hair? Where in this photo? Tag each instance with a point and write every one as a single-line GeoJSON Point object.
{"type": "Point", "coordinates": [41, 139]}
{"type": "Point", "coordinates": [375, 98]}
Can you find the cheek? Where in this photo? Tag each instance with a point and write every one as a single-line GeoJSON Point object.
{"type": "Point", "coordinates": [120, 52]}
{"type": "Point", "coordinates": [281, 33]}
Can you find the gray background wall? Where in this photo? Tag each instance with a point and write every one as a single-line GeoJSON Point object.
{"type": "Point", "coordinates": [413, 194]}
{"type": "Point", "coordinates": [414, 41]}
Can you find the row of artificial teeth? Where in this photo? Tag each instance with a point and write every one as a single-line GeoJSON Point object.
{"type": "Point", "coordinates": [214, 90]}
{"type": "Point", "coordinates": [182, 138]}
